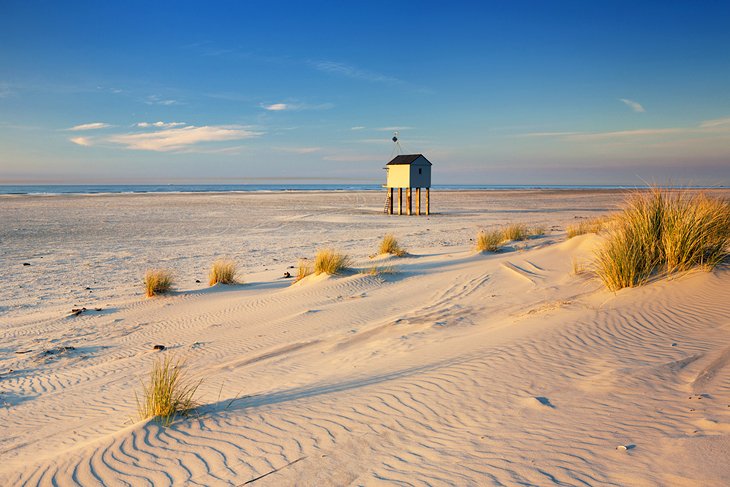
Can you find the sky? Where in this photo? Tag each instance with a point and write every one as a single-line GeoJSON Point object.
{"type": "Point", "coordinates": [518, 92]}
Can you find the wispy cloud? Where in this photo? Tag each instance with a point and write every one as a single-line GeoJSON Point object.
{"type": "Point", "coordinates": [352, 158]}
{"type": "Point", "coordinates": [718, 122]}
{"type": "Point", "coordinates": [635, 106]}
{"type": "Point", "coordinates": [276, 107]}
{"type": "Point", "coordinates": [280, 107]}
{"type": "Point", "coordinates": [158, 100]}
{"type": "Point", "coordinates": [383, 141]}
{"type": "Point", "coordinates": [704, 128]}
{"type": "Point", "coordinates": [85, 141]}
{"type": "Point", "coordinates": [233, 150]}
{"type": "Point", "coordinates": [394, 128]}
{"type": "Point", "coordinates": [206, 48]}
{"type": "Point", "coordinates": [89, 126]}
{"type": "Point", "coordinates": [546, 134]}
{"type": "Point", "coordinates": [349, 71]}
{"type": "Point", "coordinates": [625, 133]}
{"type": "Point", "coordinates": [5, 90]}
{"type": "Point", "coordinates": [176, 139]}
{"type": "Point", "coordinates": [299, 150]}
{"type": "Point", "coordinates": [160, 124]}
{"type": "Point", "coordinates": [359, 127]}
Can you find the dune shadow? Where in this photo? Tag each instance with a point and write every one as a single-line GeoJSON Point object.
{"type": "Point", "coordinates": [228, 288]}
{"type": "Point", "coordinates": [91, 311]}
{"type": "Point", "coordinates": [258, 400]}
{"type": "Point", "coordinates": [11, 399]}
{"type": "Point", "coordinates": [66, 351]}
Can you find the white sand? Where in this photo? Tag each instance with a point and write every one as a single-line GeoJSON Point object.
{"type": "Point", "coordinates": [461, 369]}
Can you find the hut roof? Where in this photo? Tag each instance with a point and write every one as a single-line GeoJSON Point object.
{"type": "Point", "coordinates": [407, 159]}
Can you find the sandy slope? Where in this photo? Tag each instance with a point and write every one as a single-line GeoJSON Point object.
{"type": "Point", "coordinates": [461, 369]}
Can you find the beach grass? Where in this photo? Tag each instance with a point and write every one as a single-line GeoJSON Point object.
{"type": "Point", "coordinates": [157, 281]}
{"type": "Point", "coordinates": [304, 268]}
{"type": "Point", "coordinates": [592, 225]}
{"type": "Point", "coordinates": [663, 231]}
{"type": "Point", "coordinates": [516, 231]}
{"type": "Point", "coordinates": [168, 393]}
{"type": "Point", "coordinates": [390, 245]}
{"type": "Point", "coordinates": [489, 241]}
{"type": "Point", "coordinates": [380, 270]}
{"type": "Point", "coordinates": [329, 261]}
{"type": "Point", "coordinates": [695, 232]}
{"type": "Point", "coordinates": [578, 266]}
{"type": "Point", "coordinates": [222, 271]}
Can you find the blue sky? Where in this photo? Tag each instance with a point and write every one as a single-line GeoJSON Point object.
{"type": "Point", "coordinates": [491, 92]}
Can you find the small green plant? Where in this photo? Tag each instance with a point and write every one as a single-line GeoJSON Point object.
{"type": "Point", "coordinates": [489, 241]}
{"type": "Point", "coordinates": [168, 393]}
{"type": "Point", "coordinates": [222, 272]}
{"type": "Point", "coordinates": [330, 262]}
{"type": "Point", "coordinates": [390, 245]}
{"type": "Point", "coordinates": [157, 281]}
{"type": "Point", "coordinates": [516, 231]}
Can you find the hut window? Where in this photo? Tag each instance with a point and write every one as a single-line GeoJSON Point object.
{"type": "Point", "coordinates": [419, 170]}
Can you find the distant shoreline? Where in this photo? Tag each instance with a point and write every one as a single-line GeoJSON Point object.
{"type": "Point", "coordinates": [91, 189]}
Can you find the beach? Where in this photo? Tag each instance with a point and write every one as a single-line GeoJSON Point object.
{"type": "Point", "coordinates": [452, 368]}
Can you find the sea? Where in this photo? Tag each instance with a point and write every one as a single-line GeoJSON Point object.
{"type": "Point", "coordinates": [71, 189]}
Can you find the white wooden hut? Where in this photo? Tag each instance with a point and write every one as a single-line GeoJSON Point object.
{"type": "Point", "coordinates": [408, 171]}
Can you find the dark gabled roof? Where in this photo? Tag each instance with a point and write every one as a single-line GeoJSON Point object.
{"type": "Point", "coordinates": [407, 159]}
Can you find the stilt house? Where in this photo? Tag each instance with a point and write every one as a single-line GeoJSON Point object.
{"type": "Point", "coordinates": [408, 171]}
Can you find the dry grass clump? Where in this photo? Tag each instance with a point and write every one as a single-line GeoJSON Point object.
{"type": "Point", "coordinates": [222, 272]}
{"type": "Point", "coordinates": [592, 225]}
{"type": "Point", "coordinates": [169, 392]}
{"type": "Point", "coordinates": [578, 267]}
{"type": "Point", "coordinates": [516, 231]}
{"type": "Point", "coordinates": [157, 281]}
{"type": "Point", "coordinates": [330, 262]}
{"type": "Point", "coordinates": [380, 270]}
{"type": "Point", "coordinates": [663, 231]}
{"type": "Point", "coordinates": [304, 268]}
{"type": "Point", "coordinates": [390, 245]}
{"type": "Point", "coordinates": [696, 232]}
{"type": "Point", "coordinates": [489, 241]}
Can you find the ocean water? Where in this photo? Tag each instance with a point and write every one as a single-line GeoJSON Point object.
{"type": "Point", "coordinates": [55, 189]}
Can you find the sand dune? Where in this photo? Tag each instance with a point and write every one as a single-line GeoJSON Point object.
{"type": "Point", "coordinates": [460, 369]}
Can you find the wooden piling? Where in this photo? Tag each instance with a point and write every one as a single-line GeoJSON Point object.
{"type": "Point", "coordinates": [408, 200]}
{"type": "Point", "coordinates": [390, 202]}
{"type": "Point", "coordinates": [400, 201]}
{"type": "Point", "coordinates": [418, 201]}
{"type": "Point", "coordinates": [428, 201]}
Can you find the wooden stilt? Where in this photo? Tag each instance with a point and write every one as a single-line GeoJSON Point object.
{"type": "Point", "coordinates": [409, 198]}
{"type": "Point", "coordinates": [400, 201]}
{"type": "Point", "coordinates": [390, 203]}
{"type": "Point", "coordinates": [428, 201]}
{"type": "Point", "coordinates": [418, 201]}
